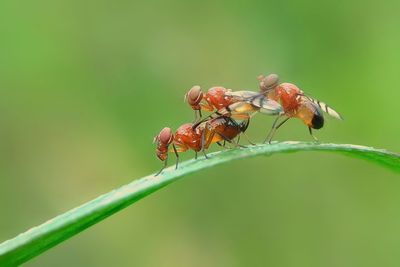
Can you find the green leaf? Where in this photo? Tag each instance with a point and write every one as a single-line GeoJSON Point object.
{"type": "Point", "coordinates": [41, 238]}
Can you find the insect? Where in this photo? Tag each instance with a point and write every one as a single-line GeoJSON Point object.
{"type": "Point", "coordinates": [214, 99]}
{"type": "Point", "coordinates": [223, 128]}
{"type": "Point", "coordinates": [295, 104]}
{"type": "Point", "coordinates": [185, 138]}
{"type": "Point", "coordinates": [244, 104]}
{"type": "Point", "coordinates": [199, 138]}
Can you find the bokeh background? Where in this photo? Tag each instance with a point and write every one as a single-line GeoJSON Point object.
{"type": "Point", "coordinates": [85, 85]}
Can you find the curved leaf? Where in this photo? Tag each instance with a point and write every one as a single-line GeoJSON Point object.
{"type": "Point", "coordinates": [41, 238]}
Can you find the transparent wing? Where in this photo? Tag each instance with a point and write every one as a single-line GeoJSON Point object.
{"type": "Point", "coordinates": [242, 95]}
{"type": "Point", "coordinates": [258, 102]}
{"type": "Point", "coordinates": [266, 106]}
{"type": "Point", "coordinates": [325, 108]}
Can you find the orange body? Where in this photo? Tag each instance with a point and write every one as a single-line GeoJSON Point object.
{"type": "Point", "coordinates": [222, 128]}
{"type": "Point", "coordinates": [163, 139]}
{"type": "Point", "coordinates": [197, 138]}
{"type": "Point", "coordinates": [162, 151]}
{"type": "Point", "coordinates": [288, 96]}
{"type": "Point", "coordinates": [188, 138]}
{"type": "Point", "coordinates": [215, 130]}
{"type": "Point", "coordinates": [296, 105]}
{"type": "Point", "coordinates": [185, 137]}
{"type": "Point", "coordinates": [216, 99]}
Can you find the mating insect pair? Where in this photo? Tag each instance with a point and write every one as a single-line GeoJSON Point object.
{"type": "Point", "coordinates": [198, 138]}
{"type": "Point", "coordinates": [229, 119]}
{"type": "Point", "coordinates": [285, 100]}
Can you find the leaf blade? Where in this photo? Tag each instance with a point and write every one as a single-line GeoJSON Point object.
{"type": "Point", "coordinates": [43, 237]}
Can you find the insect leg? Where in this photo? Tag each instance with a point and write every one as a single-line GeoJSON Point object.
{"type": "Point", "coordinates": [203, 143]}
{"type": "Point", "coordinates": [195, 155]}
{"type": "Point", "coordinates": [177, 156]}
{"type": "Point", "coordinates": [201, 121]}
{"type": "Point", "coordinates": [248, 139]}
{"type": "Point", "coordinates": [165, 165]}
{"type": "Point", "coordinates": [313, 136]}
{"type": "Point", "coordinates": [276, 128]}
{"type": "Point", "coordinates": [214, 115]}
{"type": "Point", "coordinates": [247, 123]}
{"type": "Point", "coordinates": [222, 145]}
{"type": "Point", "coordinates": [272, 131]}
{"type": "Point", "coordinates": [197, 118]}
{"type": "Point", "coordinates": [230, 141]}
{"type": "Point", "coordinates": [280, 124]}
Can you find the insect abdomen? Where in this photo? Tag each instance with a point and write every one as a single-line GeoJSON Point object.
{"type": "Point", "coordinates": [317, 121]}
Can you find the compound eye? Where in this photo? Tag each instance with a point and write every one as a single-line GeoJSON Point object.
{"type": "Point", "coordinates": [269, 82]}
{"type": "Point", "coordinates": [165, 136]}
{"type": "Point", "coordinates": [194, 96]}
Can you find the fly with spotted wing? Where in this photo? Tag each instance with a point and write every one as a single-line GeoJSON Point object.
{"type": "Point", "coordinates": [295, 104]}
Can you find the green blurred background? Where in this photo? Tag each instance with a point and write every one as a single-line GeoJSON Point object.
{"type": "Point", "coordinates": [85, 85]}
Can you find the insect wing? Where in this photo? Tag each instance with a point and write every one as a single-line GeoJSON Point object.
{"type": "Point", "coordinates": [266, 106]}
{"type": "Point", "coordinates": [327, 109]}
{"type": "Point", "coordinates": [242, 95]}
